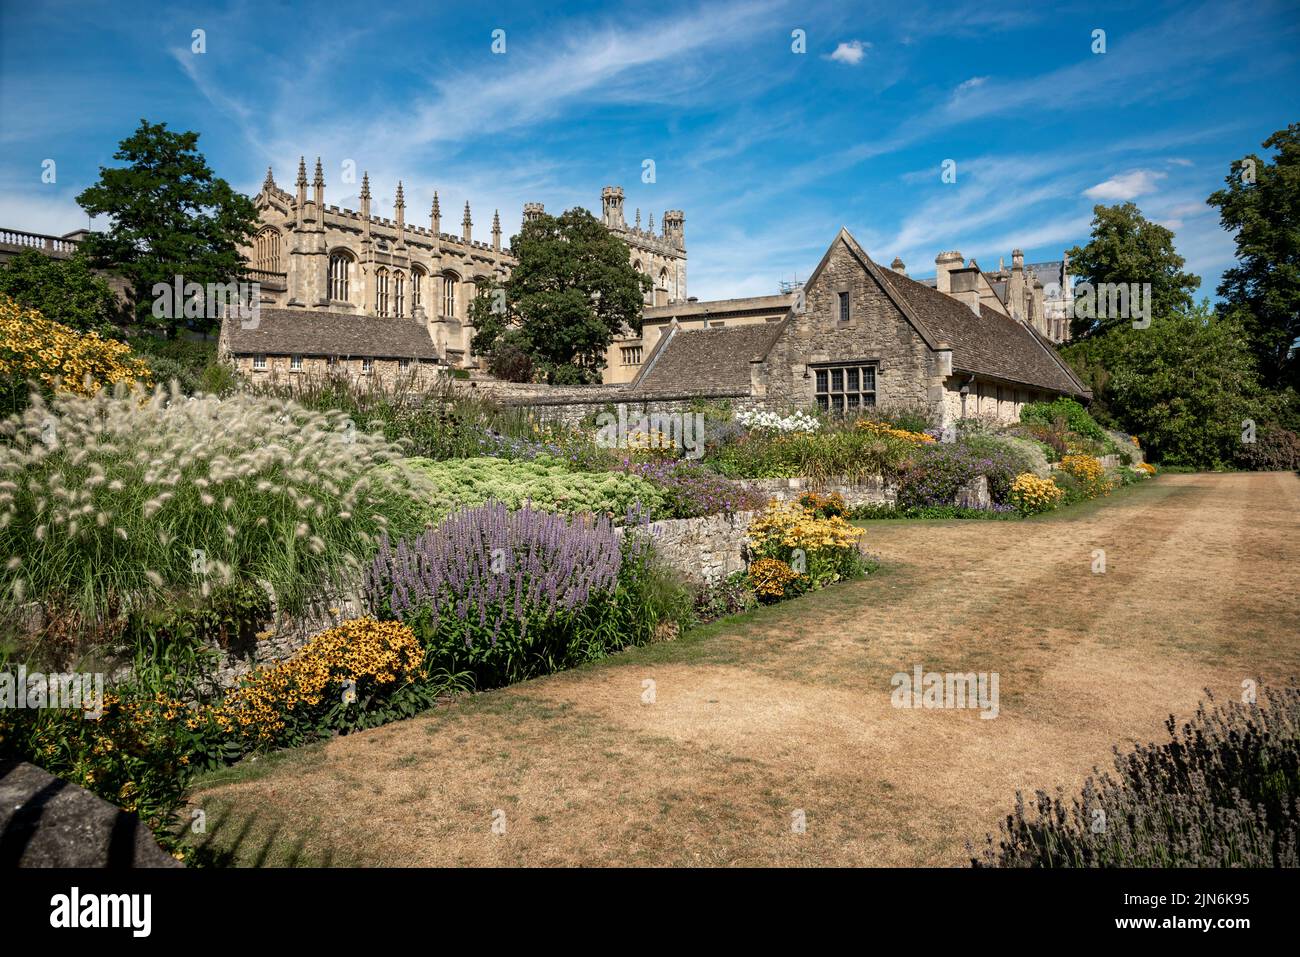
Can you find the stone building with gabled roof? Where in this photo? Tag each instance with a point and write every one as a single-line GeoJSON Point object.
{"type": "Point", "coordinates": [861, 335]}
{"type": "Point", "coordinates": [287, 344]}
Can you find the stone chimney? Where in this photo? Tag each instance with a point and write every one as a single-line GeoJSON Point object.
{"type": "Point", "coordinates": [1036, 306]}
{"type": "Point", "coordinates": [963, 285]}
{"type": "Point", "coordinates": [945, 263]}
{"type": "Point", "coordinates": [1016, 299]}
{"type": "Point", "coordinates": [898, 266]}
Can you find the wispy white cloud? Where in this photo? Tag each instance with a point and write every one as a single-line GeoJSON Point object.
{"type": "Point", "coordinates": [1126, 186]}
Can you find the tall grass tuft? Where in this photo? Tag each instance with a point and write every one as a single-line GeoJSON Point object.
{"type": "Point", "coordinates": [1224, 791]}
{"type": "Point", "coordinates": [115, 502]}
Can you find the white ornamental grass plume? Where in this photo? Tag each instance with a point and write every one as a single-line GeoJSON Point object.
{"type": "Point", "coordinates": [142, 482]}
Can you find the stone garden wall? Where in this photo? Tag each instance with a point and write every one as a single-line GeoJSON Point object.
{"type": "Point", "coordinates": [572, 404]}
{"type": "Point", "coordinates": [705, 549]}
{"type": "Point", "coordinates": [870, 491]}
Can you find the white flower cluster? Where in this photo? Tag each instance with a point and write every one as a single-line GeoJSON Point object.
{"type": "Point", "coordinates": [771, 422]}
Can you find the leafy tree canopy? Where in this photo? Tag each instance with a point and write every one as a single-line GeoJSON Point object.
{"type": "Point", "coordinates": [1186, 384]}
{"type": "Point", "coordinates": [1260, 203]}
{"type": "Point", "coordinates": [571, 293]}
{"type": "Point", "coordinates": [170, 217]}
{"type": "Point", "coordinates": [1128, 248]}
{"type": "Point", "coordinates": [67, 291]}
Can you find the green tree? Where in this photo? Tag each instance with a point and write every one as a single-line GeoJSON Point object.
{"type": "Point", "coordinates": [1128, 248]}
{"type": "Point", "coordinates": [170, 217]}
{"type": "Point", "coordinates": [572, 291]}
{"type": "Point", "coordinates": [1261, 204]}
{"type": "Point", "coordinates": [1186, 385]}
{"type": "Point", "coordinates": [63, 290]}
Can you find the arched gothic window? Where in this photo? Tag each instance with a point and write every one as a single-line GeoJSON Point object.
{"type": "Point", "coordinates": [340, 265]}
{"type": "Point", "coordinates": [266, 250]}
{"type": "Point", "coordinates": [417, 288]}
{"type": "Point", "coordinates": [449, 294]}
{"type": "Point", "coordinates": [381, 292]}
{"type": "Point", "coordinates": [399, 294]}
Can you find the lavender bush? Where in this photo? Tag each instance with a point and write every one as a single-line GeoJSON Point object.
{"type": "Point", "coordinates": [1224, 791]}
{"type": "Point", "coordinates": [506, 595]}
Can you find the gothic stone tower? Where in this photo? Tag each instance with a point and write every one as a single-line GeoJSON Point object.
{"type": "Point", "coordinates": [661, 256]}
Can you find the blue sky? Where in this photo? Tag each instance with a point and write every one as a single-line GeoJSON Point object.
{"type": "Point", "coordinates": [767, 151]}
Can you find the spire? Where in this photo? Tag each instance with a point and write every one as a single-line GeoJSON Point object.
{"type": "Point", "coordinates": [318, 182]}
{"type": "Point", "coordinates": [400, 203]}
{"type": "Point", "coordinates": [650, 227]}
{"type": "Point", "coordinates": [467, 225]}
{"type": "Point", "coordinates": [301, 199]}
{"type": "Point", "coordinates": [399, 211]}
{"type": "Point", "coordinates": [365, 202]}
{"type": "Point", "coordinates": [268, 184]}
{"type": "Point", "coordinates": [638, 217]}
{"type": "Point", "coordinates": [365, 185]}
{"type": "Point", "coordinates": [496, 230]}
{"type": "Point", "coordinates": [435, 215]}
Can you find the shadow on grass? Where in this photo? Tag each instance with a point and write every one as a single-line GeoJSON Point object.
{"type": "Point", "coordinates": [231, 840]}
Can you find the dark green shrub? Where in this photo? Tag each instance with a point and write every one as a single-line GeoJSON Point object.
{"type": "Point", "coordinates": [1074, 415]}
{"type": "Point", "coordinates": [1275, 449]}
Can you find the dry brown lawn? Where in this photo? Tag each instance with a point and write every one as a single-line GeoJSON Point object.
{"type": "Point", "coordinates": [788, 709]}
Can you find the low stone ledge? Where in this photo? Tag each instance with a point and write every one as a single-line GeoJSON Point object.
{"type": "Point", "coordinates": [872, 490]}
{"type": "Point", "coordinates": [48, 822]}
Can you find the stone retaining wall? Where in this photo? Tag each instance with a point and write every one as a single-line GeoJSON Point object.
{"type": "Point", "coordinates": [870, 491]}
{"type": "Point", "coordinates": [705, 549]}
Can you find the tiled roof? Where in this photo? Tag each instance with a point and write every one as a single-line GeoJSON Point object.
{"type": "Point", "coordinates": [988, 343]}
{"type": "Point", "coordinates": [298, 332]}
{"type": "Point", "coordinates": [720, 307]}
{"type": "Point", "coordinates": [705, 359]}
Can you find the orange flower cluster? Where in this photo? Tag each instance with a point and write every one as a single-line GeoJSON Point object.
{"type": "Point", "coordinates": [770, 577]}
{"type": "Point", "coordinates": [33, 347]}
{"type": "Point", "coordinates": [333, 663]}
{"type": "Point", "coordinates": [885, 429]}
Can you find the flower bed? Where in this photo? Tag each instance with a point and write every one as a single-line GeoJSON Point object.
{"type": "Point", "coordinates": [797, 548]}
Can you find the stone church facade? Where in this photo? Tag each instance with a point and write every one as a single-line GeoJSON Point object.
{"type": "Point", "coordinates": [316, 259]}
